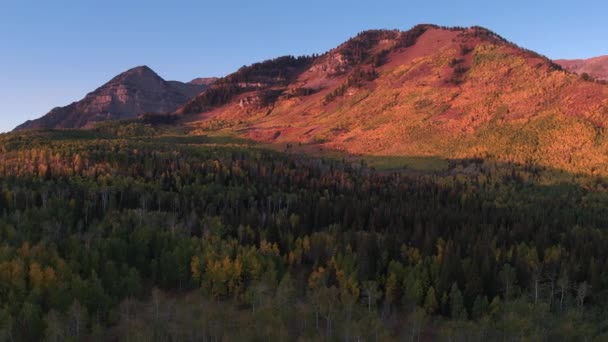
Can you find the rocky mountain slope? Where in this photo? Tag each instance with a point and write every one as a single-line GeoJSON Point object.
{"type": "Point", "coordinates": [429, 91]}
{"type": "Point", "coordinates": [596, 67]}
{"type": "Point", "coordinates": [136, 91]}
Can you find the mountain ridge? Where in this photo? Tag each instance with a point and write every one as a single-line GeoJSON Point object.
{"type": "Point", "coordinates": [429, 91]}
{"type": "Point", "coordinates": [133, 92]}
{"type": "Point", "coordinates": [595, 67]}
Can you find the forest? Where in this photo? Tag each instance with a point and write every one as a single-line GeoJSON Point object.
{"type": "Point", "coordinates": [137, 233]}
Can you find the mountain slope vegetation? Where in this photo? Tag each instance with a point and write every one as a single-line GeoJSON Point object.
{"type": "Point", "coordinates": [596, 67]}
{"type": "Point", "coordinates": [430, 91]}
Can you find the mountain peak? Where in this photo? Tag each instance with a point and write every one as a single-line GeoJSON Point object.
{"type": "Point", "coordinates": [136, 91]}
{"type": "Point", "coordinates": [430, 90]}
{"type": "Point", "coordinates": [138, 74]}
{"type": "Point", "coordinates": [141, 68]}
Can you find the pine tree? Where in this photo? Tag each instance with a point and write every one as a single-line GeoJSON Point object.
{"type": "Point", "coordinates": [457, 309]}
{"type": "Point", "coordinates": [480, 307]}
{"type": "Point", "coordinates": [430, 301]}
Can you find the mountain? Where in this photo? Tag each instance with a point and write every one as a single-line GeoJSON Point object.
{"type": "Point", "coordinates": [207, 81]}
{"type": "Point", "coordinates": [135, 91]}
{"type": "Point", "coordinates": [429, 91]}
{"type": "Point", "coordinates": [596, 67]}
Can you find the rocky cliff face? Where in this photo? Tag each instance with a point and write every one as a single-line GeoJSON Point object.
{"type": "Point", "coordinates": [136, 91]}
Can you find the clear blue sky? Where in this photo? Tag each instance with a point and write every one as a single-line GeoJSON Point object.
{"type": "Point", "coordinates": [53, 52]}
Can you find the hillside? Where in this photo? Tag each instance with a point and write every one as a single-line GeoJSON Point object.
{"type": "Point", "coordinates": [429, 91]}
{"type": "Point", "coordinates": [596, 67]}
{"type": "Point", "coordinates": [136, 91]}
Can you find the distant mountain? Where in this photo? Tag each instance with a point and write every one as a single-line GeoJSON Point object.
{"type": "Point", "coordinates": [136, 91]}
{"type": "Point", "coordinates": [596, 67]}
{"type": "Point", "coordinates": [207, 81]}
{"type": "Point", "coordinates": [429, 91]}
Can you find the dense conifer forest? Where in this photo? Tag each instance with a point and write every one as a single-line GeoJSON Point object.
{"type": "Point", "coordinates": [131, 232]}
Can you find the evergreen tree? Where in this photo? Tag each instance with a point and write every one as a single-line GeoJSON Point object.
{"type": "Point", "coordinates": [457, 308]}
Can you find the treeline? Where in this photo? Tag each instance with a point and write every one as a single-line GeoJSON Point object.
{"type": "Point", "coordinates": [356, 79]}
{"type": "Point", "coordinates": [292, 246]}
{"type": "Point", "coordinates": [357, 50]}
{"type": "Point", "coordinates": [410, 37]}
{"type": "Point", "coordinates": [274, 72]}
